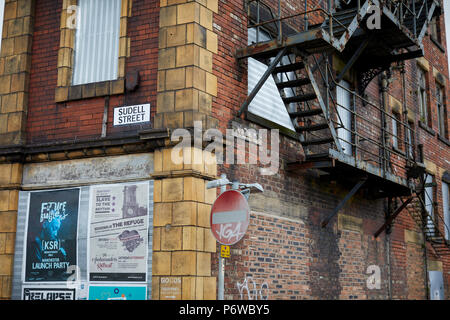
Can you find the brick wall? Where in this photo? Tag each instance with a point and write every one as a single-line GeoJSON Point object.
{"type": "Point", "coordinates": [80, 120]}
{"type": "Point", "coordinates": [286, 254]}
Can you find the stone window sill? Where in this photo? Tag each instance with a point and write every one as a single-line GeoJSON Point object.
{"type": "Point", "coordinates": [426, 128]}
{"type": "Point", "coordinates": [90, 90]}
{"type": "Point", "coordinates": [396, 149]}
{"type": "Point", "coordinates": [437, 44]}
{"type": "Point", "coordinates": [444, 140]}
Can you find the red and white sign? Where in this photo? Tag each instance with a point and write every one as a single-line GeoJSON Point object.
{"type": "Point", "coordinates": [230, 215]}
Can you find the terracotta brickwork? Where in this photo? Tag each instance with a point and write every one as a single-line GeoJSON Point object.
{"type": "Point", "coordinates": [286, 254]}
{"type": "Point", "coordinates": [15, 64]}
{"type": "Point", "coordinates": [183, 242]}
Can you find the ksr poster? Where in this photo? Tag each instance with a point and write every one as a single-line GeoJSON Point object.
{"type": "Point", "coordinates": [51, 235]}
{"type": "Point", "coordinates": [118, 232]}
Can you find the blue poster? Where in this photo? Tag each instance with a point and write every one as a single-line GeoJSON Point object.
{"type": "Point", "coordinates": [51, 235]}
{"type": "Point", "coordinates": [117, 293]}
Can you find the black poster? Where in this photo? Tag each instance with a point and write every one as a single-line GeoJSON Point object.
{"type": "Point", "coordinates": [52, 235]}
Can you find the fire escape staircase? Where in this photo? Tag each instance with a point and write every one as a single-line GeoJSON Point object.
{"type": "Point", "coordinates": [325, 37]}
{"type": "Point", "coordinates": [433, 226]}
{"type": "Point", "coordinates": [344, 31]}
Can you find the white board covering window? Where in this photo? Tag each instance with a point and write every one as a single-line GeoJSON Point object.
{"type": "Point", "coordinates": [436, 285]}
{"type": "Point", "coordinates": [345, 116]}
{"type": "Point", "coordinates": [410, 140]}
{"type": "Point", "coordinates": [441, 114]}
{"type": "Point", "coordinates": [422, 92]}
{"type": "Point", "coordinates": [267, 104]}
{"type": "Point", "coordinates": [394, 133]}
{"type": "Point", "coordinates": [429, 202]}
{"type": "Point", "coordinates": [97, 41]}
{"type": "Point", "coordinates": [446, 209]}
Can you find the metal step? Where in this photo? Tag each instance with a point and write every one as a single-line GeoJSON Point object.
{"type": "Point", "coordinates": [293, 83]}
{"type": "Point", "coordinates": [339, 21]}
{"type": "Point", "coordinates": [345, 17]}
{"type": "Point", "coordinates": [345, 12]}
{"type": "Point", "coordinates": [306, 113]}
{"type": "Point", "coordinates": [289, 67]}
{"type": "Point", "coordinates": [316, 156]}
{"type": "Point", "coordinates": [314, 127]}
{"type": "Point", "coordinates": [317, 141]}
{"type": "Point", "coordinates": [300, 98]}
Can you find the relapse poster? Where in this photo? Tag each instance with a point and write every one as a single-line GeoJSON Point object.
{"type": "Point", "coordinates": [118, 232]}
{"type": "Point", "coordinates": [51, 235]}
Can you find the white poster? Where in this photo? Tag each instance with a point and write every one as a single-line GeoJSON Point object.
{"type": "Point", "coordinates": [48, 293]}
{"type": "Point", "coordinates": [118, 232]}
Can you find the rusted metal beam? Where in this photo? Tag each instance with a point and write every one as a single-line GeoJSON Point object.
{"type": "Point", "coordinates": [344, 201]}
{"type": "Point", "coordinates": [272, 46]}
{"type": "Point", "coordinates": [393, 216]}
{"type": "Point", "coordinates": [310, 165]}
{"type": "Point", "coordinates": [351, 62]}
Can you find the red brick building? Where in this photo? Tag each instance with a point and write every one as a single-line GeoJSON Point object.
{"type": "Point", "coordinates": [92, 92]}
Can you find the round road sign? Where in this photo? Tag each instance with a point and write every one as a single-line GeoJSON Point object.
{"type": "Point", "coordinates": [230, 215]}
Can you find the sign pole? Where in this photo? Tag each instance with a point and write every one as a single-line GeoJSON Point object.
{"type": "Point", "coordinates": [230, 216]}
{"type": "Point", "coordinates": [221, 279]}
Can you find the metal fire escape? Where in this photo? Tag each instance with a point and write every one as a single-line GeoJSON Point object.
{"type": "Point", "coordinates": [298, 58]}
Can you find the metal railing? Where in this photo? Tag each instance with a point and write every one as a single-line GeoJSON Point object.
{"type": "Point", "coordinates": [435, 218]}
{"type": "Point", "coordinates": [307, 14]}
{"type": "Point", "coordinates": [409, 11]}
{"type": "Point", "coordinates": [371, 136]}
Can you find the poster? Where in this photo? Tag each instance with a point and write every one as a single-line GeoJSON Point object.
{"type": "Point", "coordinates": [48, 293]}
{"type": "Point", "coordinates": [117, 293]}
{"type": "Point", "coordinates": [51, 245]}
{"type": "Point", "coordinates": [118, 232]}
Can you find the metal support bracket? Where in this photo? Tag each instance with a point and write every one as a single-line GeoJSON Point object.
{"type": "Point", "coordinates": [344, 201]}
{"type": "Point", "coordinates": [393, 216]}
{"type": "Point", "coordinates": [351, 62]}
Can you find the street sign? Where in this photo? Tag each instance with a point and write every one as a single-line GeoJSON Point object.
{"type": "Point", "coordinates": [230, 215]}
{"type": "Point", "coordinates": [225, 251]}
{"type": "Point", "coordinates": [131, 114]}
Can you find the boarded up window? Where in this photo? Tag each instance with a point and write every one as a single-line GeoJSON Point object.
{"type": "Point", "coordinates": [97, 41]}
{"type": "Point", "coordinates": [267, 104]}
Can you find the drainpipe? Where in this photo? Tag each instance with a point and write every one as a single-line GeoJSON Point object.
{"type": "Point", "coordinates": [425, 262]}
{"type": "Point", "coordinates": [425, 251]}
{"type": "Point", "coordinates": [405, 113]}
{"type": "Point", "coordinates": [383, 89]}
{"type": "Point", "coordinates": [387, 208]}
{"type": "Point", "coordinates": [105, 117]}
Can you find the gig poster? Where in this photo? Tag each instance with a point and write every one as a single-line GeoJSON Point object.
{"type": "Point", "coordinates": [117, 293]}
{"type": "Point", "coordinates": [118, 232]}
{"type": "Point", "coordinates": [51, 235]}
{"type": "Point", "coordinates": [48, 293]}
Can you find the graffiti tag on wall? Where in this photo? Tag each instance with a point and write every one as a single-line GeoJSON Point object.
{"type": "Point", "coordinates": [249, 290]}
